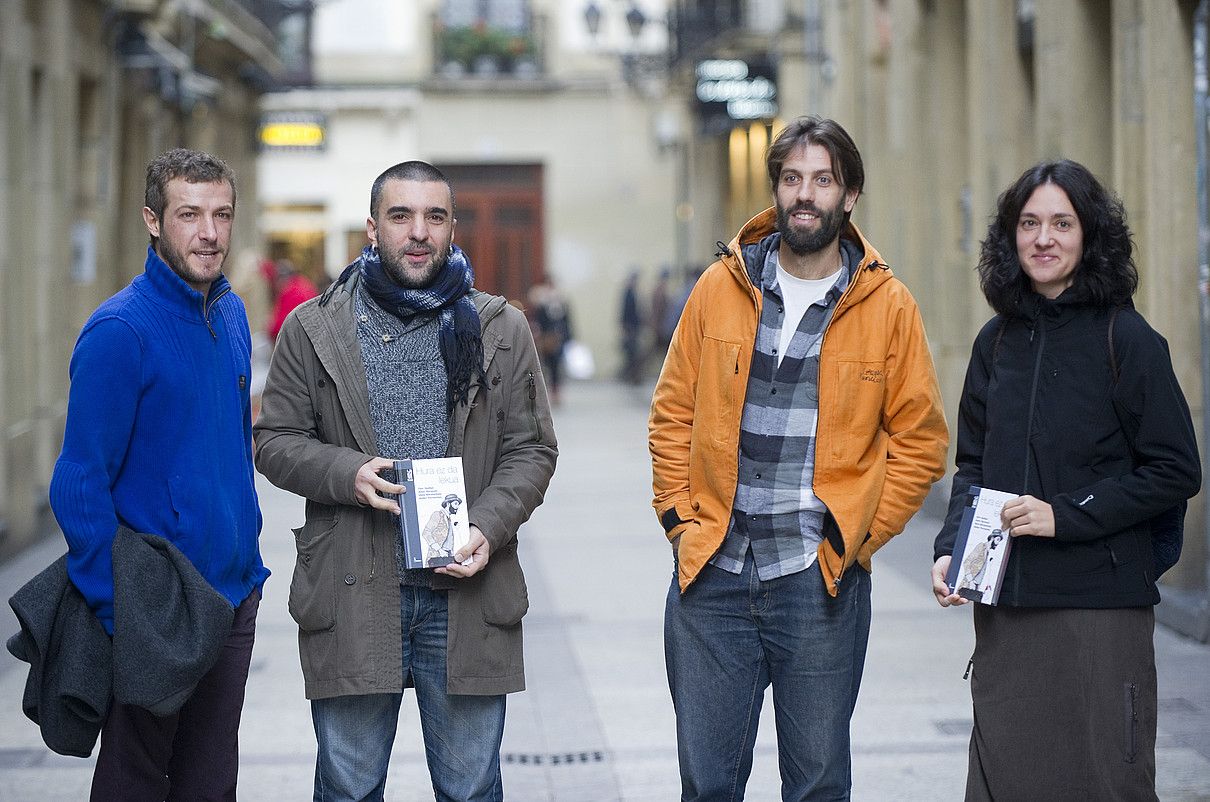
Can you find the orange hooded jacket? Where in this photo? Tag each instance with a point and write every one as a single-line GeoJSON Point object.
{"type": "Point", "coordinates": [881, 439]}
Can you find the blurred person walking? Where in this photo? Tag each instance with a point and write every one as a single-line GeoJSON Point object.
{"type": "Point", "coordinates": [796, 427]}
{"type": "Point", "coordinates": [630, 320]}
{"type": "Point", "coordinates": [552, 322]}
{"type": "Point", "coordinates": [1070, 401]}
{"type": "Point", "coordinates": [158, 440]}
{"type": "Point", "coordinates": [402, 358]}
{"type": "Point", "coordinates": [661, 309]}
{"type": "Point", "coordinates": [292, 289]}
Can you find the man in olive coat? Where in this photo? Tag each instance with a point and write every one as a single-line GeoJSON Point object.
{"type": "Point", "coordinates": [402, 358]}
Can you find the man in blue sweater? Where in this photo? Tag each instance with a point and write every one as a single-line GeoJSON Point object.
{"type": "Point", "coordinates": [159, 439]}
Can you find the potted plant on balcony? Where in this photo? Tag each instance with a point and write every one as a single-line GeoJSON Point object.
{"type": "Point", "coordinates": [483, 50]}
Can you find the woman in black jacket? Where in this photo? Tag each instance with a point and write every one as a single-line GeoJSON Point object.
{"type": "Point", "coordinates": [1070, 402]}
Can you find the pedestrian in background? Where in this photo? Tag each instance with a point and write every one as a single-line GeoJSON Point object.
{"type": "Point", "coordinates": [552, 322]}
{"type": "Point", "coordinates": [1070, 401]}
{"type": "Point", "coordinates": [402, 358]}
{"type": "Point", "coordinates": [292, 289]}
{"type": "Point", "coordinates": [661, 303]}
{"type": "Point", "coordinates": [630, 320]}
{"type": "Point", "coordinates": [158, 439]}
{"type": "Point", "coordinates": [796, 427]}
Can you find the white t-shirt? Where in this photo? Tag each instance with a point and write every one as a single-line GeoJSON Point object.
{"type": "Point", "coordinates": [798, 294]}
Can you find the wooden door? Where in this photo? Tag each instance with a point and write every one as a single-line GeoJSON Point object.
{"type": "Point", "coordinates": [499, 211]}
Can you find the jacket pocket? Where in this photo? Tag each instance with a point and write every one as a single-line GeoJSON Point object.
{"type": "Point", "coordinates": [504, 597]}
{"type": "Point", "coordinates": [856, 414]}
{"type": "Point", "coordinates": [718, 390]}
{"type": "Point", "coordinates": [313, 586]}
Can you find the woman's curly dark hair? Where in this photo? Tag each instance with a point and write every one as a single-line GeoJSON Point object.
{"type": "Point", "coordinates": [1106, 275]}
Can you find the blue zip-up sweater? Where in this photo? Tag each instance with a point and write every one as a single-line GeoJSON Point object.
{"type": "Point", "coordinates": [159, 435]}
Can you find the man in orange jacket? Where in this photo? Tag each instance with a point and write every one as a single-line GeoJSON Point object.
{"type": "Point", "coordinates": [796, 427]}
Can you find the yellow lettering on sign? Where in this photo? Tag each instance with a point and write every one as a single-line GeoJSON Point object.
{"type": "Point", "coordinates": [292, 135]}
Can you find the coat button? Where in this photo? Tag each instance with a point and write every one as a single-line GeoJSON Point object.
{"type": "Point", "coordinates": [495, 380]}
{"type": "Point", "coordinates": [350, 579]}
{"type": "Point", "coordinates": [322, 383]}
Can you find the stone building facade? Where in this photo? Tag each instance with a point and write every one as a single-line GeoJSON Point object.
{"type": "Point", "coordinates": [91, 91]}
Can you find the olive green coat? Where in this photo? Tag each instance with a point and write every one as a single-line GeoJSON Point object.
{"type": "Point", "coordinates": [313, 434]}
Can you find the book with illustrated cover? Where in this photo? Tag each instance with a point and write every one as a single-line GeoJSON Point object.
{"type": "Point", "coordinates": [981, 548]}
{"type": "Point", "coordinates": [433, 521]}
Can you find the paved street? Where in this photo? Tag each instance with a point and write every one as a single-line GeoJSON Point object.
{"type": "Point", "coordinates": [596, 723]}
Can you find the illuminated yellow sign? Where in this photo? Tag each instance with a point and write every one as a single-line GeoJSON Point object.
{"type": "Point", "coordinates": [292, 134]}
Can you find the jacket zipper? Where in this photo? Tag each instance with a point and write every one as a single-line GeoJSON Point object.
{"type": "Point", "coordinates": [1029, 427]}
{"type": "Point", "coordinates": [208, 308]}
{"type": "Point", "coordinates": [1033, 399]}
{"type": "Point", "coordinates": [822, 341]}
{"type": "Point", "coordinates": [1132, 720]}
{"type": "Point", "coordinates": [533, 405]}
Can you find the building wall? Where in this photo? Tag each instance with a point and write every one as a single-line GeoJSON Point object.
{"type": "Point", "coordinates": [76, 133]}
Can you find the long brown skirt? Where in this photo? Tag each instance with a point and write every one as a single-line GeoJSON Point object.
{"type": "Point", "coordinates": [1065, 705]}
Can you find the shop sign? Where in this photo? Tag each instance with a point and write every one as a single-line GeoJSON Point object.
{"type": "Point", "coordinates": [293, 131]}
{"type": "Point", "coordinates": [732, 90]}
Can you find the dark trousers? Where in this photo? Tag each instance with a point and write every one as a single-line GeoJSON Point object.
{"type": "Point", "coordinates": [193, 754]}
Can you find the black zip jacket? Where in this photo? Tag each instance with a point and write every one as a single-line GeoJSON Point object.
{"type": "Point", "coordinates": [1037, 417]}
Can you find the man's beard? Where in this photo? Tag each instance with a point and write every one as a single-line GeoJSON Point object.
{"type": "Point", "coordinates": [803, 242]}
{"type": "Point", "coordinates": [176, 261]}
{"type": "Point", "coordinates": [395, 263]}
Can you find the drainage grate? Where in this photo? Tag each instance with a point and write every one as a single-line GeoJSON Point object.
{"type": "Point", "coordinates": [554, 759]}
{"type": "Point", "coordinates": [954, 726]}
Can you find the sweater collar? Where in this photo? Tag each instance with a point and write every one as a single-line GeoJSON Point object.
{"type": "Point", "coordinates": [162, 283]}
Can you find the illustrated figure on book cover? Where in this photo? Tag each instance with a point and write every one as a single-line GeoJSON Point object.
{"type": "Point", "coordinates": [975, 564]}
{"type": "Point", "coordinates": [438, 534]}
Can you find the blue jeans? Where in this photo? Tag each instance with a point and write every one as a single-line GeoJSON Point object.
{"type": "Point", "coordinates": [726, 639]}
{"type": "Point", "coordinates": [462, 734]}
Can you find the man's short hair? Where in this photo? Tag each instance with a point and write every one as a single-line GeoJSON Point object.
{"type": "Point", "coordinates": [194, 166]}
{"type": "Point", "coordinates": [407, 171]}
{"type": "Point", "coordinates": [828, 134]}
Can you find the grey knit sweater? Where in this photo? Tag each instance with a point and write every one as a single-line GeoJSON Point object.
{"type": "Point", "coordinates": [406, 381]}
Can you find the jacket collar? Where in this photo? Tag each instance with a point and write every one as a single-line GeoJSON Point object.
{"type": "Point", "coordinates": [161, 283]}
{"type": "Point", "coordinates": [1038, 310]}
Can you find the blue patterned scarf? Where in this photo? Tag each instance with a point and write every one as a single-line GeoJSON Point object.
{"type": "Point", "coordinates": [447, 298]}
